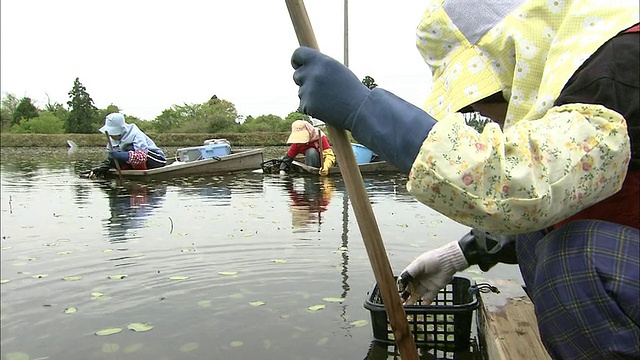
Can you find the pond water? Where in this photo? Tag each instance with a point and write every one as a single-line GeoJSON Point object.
{"type": "Point", "coordinates": [223, 267]}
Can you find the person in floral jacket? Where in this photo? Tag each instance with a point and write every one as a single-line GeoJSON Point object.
{"type": "Point", "coordinates": [551, 184]}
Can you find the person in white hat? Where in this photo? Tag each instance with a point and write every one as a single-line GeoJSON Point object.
{"type": "Point", "coordinates": [552, 183]}
{"type": "Point", "coordinates": [129, 146]}
{"type": "Point", "coordinates": [312, 142]}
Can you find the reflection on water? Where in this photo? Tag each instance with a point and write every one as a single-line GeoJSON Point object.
{"type": "Point", "coordinates": [309, 197]}
{"type": "Point", "coordinates": [130, 205]}
{"type": "Point", "coordinates": [223, 267]}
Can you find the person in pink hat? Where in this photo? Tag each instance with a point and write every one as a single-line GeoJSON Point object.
{"type": "Point", "coordinates": [313, 144]}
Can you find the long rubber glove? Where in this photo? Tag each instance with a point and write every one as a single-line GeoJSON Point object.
{"type": "Point", "coordinates": [386, 124]}
{"type": "Point", "coordinates": [329, 159]}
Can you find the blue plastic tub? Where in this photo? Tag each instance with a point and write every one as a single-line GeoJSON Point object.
{"type": "Point", "coordinates": [363, 155]}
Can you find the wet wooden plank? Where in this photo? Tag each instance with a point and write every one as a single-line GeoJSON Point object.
{"type": "Point", "coordinates": [507, 324]}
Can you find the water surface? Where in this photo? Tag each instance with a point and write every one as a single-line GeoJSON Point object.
{"type": "Point", "coordinates": [223, 267]}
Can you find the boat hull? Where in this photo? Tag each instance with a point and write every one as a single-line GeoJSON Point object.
{"type": "Point", "coordinates": [237, 161]}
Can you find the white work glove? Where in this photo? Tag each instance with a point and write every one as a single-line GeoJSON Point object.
{"type": "Point", "coordinates": [430, 273]}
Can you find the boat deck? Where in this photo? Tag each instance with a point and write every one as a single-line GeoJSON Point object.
{"type": "Point", "coordinates": [507, 325]}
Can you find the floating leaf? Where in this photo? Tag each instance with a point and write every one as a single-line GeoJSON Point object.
{"type": "Point", "coordinates": [279, 261]}
{"type": "Point", "coordinates": [178, 277]}
{"type": "Point", "coordinates": [71, 310]}
{"type": "Point", "coordinates": [227, 273]}
{"type": "Point", "coordinates": [117, 277]}
{"type": "Point", "coordinates": [333, 299]}
{"type": "Point", "coordinates": [110, 347]}
{"type": "Point", "coordinates": [316, 308]}
{"type": "Point", "coordinates": [257, 303]}
{"type": "Point", "coordinates": [95, 295]}
{"type": "Point", "coordinates": [5, 248]}
{"type": "Point", "coordinates": [72, 278]}
{"type": "Point", "coordinates": [17, 356]}
{"type": "Point", "coordinates": [64, 252]}
{"type": "Point", "coordinates": [140, 327]}
{"type": "Point", "coordinates": [107, 250]}
{"type": "Point", "coordinates": [359, 323]}
{"type": "Point", "coordinates": [4, 281]}
{"type": "Point", "coordinates": [236, 343]}
{"type": "Point", "coordinates": [204, 303]}
{"type": "Point", "coordinates": [189, 346]}
{"type": "Point", "coordinates": [133, 348]}
{"type": "Point", "coordinates": [39, 276]}
{"type": "Point", "coordinates": [109, 331]}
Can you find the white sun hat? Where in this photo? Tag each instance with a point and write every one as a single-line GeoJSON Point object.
{"type": "Point", "coordinates": [114, 124]}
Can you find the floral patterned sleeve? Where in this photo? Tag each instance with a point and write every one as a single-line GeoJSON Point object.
{"type": "Point", "coordinates": [529, 177]}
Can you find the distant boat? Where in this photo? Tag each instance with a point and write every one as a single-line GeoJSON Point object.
{"type": "Point", "coordinates": [237, 160]}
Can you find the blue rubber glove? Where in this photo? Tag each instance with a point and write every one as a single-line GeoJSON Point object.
{"type": "Point", "coordinates": [389, 126]}
{"type": "Point", "coordinates": [121, 156]}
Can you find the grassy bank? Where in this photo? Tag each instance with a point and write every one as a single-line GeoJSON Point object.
{"type": "Point", "coordinates": [162, 140]}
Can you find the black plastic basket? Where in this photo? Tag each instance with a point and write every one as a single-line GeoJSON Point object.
{"type": "Point", "coordinates": [444, 324]}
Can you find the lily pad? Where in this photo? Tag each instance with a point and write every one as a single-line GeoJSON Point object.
{"type": "Point", "coordinates": [279, 261]}
{"type": "Point", "coordinates": [71, 310]}
{"type": "Point", "coordinates": [178, 277]}
{"type": "Point", "coordinates": [315, 308]}
{"type": "Point", "coordinates": [333, 299]}
{"type": "Point", "coordinates": [96, 294]}
{"type": "Point", "coordinates": [140, 327]}
{"type": "Point", "coordinates": [109, 331]}
{"type": "Point", "coordinates": [189, 347]}
{"type": "Point", "coordinates": [227, 273]}
{"type": "Point", "coordinates": [133, 348]}
{"type": "Point", "coordinates": [359, 323]}
{"type": "Point", "coordinates": [117, 277]}
{"type": "Point", "coordinates": [257, 303]}
{"type": "Point", "coordinates": [72, 278]}
{"type": "Point", "coordinates": [17, 356]}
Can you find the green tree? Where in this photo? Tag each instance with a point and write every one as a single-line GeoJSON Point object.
{"type": "Point", "coordinates": [369, 82]}
{"type": "Point", "coordinates": [7, 108]}
{"type": "Point", "coordinates": [266, 123]}
{"type": "Point", "coordinates": [46, 123]}
{"type": "Point", "coordinates": [83, 115]}
{"type": "Point", "coordinates": [25, 111]}
{"type": "Point", "coordinates": [293, 116]}
{"type": "Point", "coordinates": [214, 116]}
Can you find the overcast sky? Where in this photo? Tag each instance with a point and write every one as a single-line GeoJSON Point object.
{"type": "Point", "coordinates": [145, 56]}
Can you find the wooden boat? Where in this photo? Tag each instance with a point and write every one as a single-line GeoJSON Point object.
{"type": "Point", "coordinates": [378, 166]}
{"type": "Point", "coordinates": [238, 160]}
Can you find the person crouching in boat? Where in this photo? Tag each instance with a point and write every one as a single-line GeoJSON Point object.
{"type": "Point", "coordinates": [129, 146]}
{"type": "Point", "coordinates": [312, 142]}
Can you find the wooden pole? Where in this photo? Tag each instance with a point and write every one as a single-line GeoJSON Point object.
{"type": "Point", "coordinates": [361, 206]}
{"type": "Point", "coordinates": [114, 160]}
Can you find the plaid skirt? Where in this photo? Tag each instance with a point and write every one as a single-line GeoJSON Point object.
{"type": "Point", "coordinates": [584, 281]}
